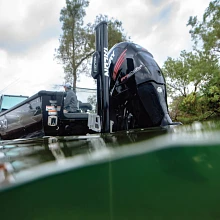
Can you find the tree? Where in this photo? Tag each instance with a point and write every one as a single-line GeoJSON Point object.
{"type": "Point", "coordinates": [187, 76]}
{"type": "Point", "coordinates": [208, 30]}
{"type": "Point", "coordinates": [116, 32]}
{"type": "Point", "coordinates": [177, 73]}
{"type": "Point", "coordinates": [76, 42]}
{"type": "Point", "coordinates": [196, 74]}
{"type": "Point", "coordinates": [190, 72]}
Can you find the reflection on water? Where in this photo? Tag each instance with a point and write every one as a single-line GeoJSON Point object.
{"type": "Point", "coordinates": [19, 155]}
{"type": "Point", "coordinates": [146, 169]}
{"type": "Point", "coordinates": [199, 127]}
{"type": "Point", "coordinates": [22, 154]}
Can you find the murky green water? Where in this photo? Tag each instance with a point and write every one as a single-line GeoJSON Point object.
{"type": "Point", "coordinates": [170, 173]}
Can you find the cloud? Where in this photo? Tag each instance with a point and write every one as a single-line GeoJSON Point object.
{"type": "Point", "coordinates": [30, 30]}
{"type": "Point", "coordinates": [32, 72]}
{"type": "Point", "coordinates": [27, 23]}
{"type": "Point", "coordinates": [157, 25]}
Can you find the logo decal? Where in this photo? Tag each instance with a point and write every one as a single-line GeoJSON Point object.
{"type": "Point", "coordinates": [159, 89]}
{"type": "Point", "coordinates": [111, 58]}
{"type": "Point", "coordinates": [4, 124]}
{"type": "Point", "coordinates": [131, 73]}
{"type": "Point", "coordinates": [105, 61]}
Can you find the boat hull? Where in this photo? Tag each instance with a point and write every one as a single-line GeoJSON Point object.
{"type": "Point", "coordinates": [42, 115]}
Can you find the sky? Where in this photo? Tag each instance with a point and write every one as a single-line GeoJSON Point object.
{"type": "Point", "coordinates": [30, 30]}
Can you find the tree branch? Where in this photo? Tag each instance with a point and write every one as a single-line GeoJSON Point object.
{"type": "Point", "coordinates": [84, 58]}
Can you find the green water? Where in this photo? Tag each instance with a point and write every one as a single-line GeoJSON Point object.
{"type": "Point", "coordinates": [170, 173]}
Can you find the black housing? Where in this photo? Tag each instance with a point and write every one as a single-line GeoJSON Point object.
{"type": "Point", "coordinates": [138, 96]}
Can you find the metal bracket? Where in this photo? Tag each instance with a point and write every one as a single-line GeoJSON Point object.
{"type": "Point", "coordinates": [94, 122]}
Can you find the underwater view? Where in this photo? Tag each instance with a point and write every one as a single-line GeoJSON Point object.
{"type": "Point", "coordinates": [167, 172]}
{"type": "Point", "coordinates": [109, 110]}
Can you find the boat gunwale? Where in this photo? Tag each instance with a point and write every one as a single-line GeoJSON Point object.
{"type": "Point", "coordinates": [39, 94]}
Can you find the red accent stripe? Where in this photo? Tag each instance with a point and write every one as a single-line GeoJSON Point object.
{"type": "Point", "coordinates": [119, 59]}
{"type": "Point", "coordinates": [119, 63]}
{"type": "Point", "coordinates": [116, 71]}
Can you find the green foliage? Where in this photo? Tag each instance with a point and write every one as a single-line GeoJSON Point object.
{"type": "Point", "coordinates": [212, 99]}
{"type": "Point", "coordinates": [115, 30]}
{"type": "Point", "coordinates": [207, 30]}
{"type": "Point", "coordinates": [188, 104]}
{"type": "Point", "coordinates": [187, 72]}
{"type": "Point", "coordinates": [193, 79]}
{"type": "Point", "coordinates": [177, 77]}
{"type": "Point", "coordinates": [174, 107]}
{"type": "Point", "coordinates": [77, 42]}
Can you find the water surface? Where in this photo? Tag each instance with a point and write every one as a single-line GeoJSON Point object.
{"type": "Point", "coordinates": [161, 173]}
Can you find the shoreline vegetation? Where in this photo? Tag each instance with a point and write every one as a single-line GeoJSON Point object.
{"type": "Point", "coordinates": [193, 79]}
